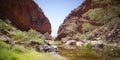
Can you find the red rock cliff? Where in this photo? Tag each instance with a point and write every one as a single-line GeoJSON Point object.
{"type": "Point", "coordinates": [76, 17]}
{"type": "Point", "coordinates": [25, 14]}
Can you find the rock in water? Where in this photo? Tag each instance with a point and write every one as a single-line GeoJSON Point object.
{"type": "Point", "coordinates": [97, 44]}
{"type": "Point", "coordinates": [25, 14]}
{"type": "Point", "coordinates": [49, 48]}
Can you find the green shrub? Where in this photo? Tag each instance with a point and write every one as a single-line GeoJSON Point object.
{"type": "Point", "coordinates": [82, 36]}
{"type": "Point", "coordinates": [19, 35]}
{"type": "Point", "coordinates": [33, 55]}
{"type": "Point", "coordinates": [113, 22]}
{"type": "Point", "coordinates": [19, 48]}
{"type": "Point", "coordinates": [46, 36]}
{"type": "Point", "coordinates": [4, 25]}
{"type": "Point", "coordinates": [71, 27]}
{"type": "Point", "coordinates": [97, 14]}
{"type": "Point", "coordinates": [4, 45]}
{"type": "Point", "coordinates": [88, 27]}
{"type": "Point", "coordinates": [88, 45]}
{"type": "Point", "coordinates": [6, 54]}
{"type": "Point", "coordinates": [104, 14]}
{"type": "Point", "coordinates": [57, 42]}
{"type": "Point", "coordinates": [33, 34]}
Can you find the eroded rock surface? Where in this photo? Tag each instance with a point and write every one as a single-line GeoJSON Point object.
{"type": "Point", "coordinates": [25, 14]}
{"type": "Point", "coordinates": [88, 21]}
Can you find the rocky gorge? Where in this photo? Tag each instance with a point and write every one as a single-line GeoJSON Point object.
{"type": "Point", "coordinates": [90, 32]}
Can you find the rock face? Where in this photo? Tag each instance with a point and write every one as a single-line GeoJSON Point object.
{"type": "Point", "coordinates": [25, 14]}
{"type": "Point", "coordinates": [76, 16]}
{"type": "Point", "coordinates": [85, 19]}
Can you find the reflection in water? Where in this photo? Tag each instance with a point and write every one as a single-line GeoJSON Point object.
{"type": "Point", "coordinates": [88, 54]}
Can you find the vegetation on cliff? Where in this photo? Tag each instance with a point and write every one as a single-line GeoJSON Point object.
{"type": "Point", "coordinates": [21, 45]}
{"type": "Point", "coordinates": [99, 21]}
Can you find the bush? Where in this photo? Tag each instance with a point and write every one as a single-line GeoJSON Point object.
{"type": "Point", "coordinates": [19, 48]}
{"type": "Point", "coordinates": [88, 45]}
{"type": "Point", "coordinates": [19, 35]}
{"type": "Point", "coordinates": [88, 27]}
{"type": "Point", "coordinates": [57, 42]}
{"type": "Point", "coordinates": [33, 55]}
{"type": "Point", "coordinates": [4, 45]}
{"type": "Point", "coordinates": [104, 14]}
{"type": "Point", "coordinates": [81, 36]}
{"type": "Point", "coordinates": [6, 25]}
{"type": "Point", "coordinates": [71, 27]}
{"type": "Point", "coordinates": [33, 34]}
{"type": "Point", "coordinates": [97, 14]}
{"type": "Point", "coordinates": [6, 54]}
{"type": "Point", "coordinates": [26, 36]}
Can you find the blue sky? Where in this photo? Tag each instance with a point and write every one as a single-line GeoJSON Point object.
{"type": "Point", "coordinates": [57, 10]}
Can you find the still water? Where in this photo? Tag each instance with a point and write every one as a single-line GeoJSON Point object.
{"type": "Point", "coordinates": [79, 53]}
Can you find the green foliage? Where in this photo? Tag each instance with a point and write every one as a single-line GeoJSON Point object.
{"type": "Point", "coordinates": [4, 45]}
{"type": "Point", "coordinates": [33, 34]}
{"type": "Point", "coordinates": [97, 14]}
{"type": "Point", "coordinates": [6, 54]}
{"type": "Point", "coordinates": [20, 42]}
{"type": "Point", "coordinates": [19, 48]}
{"type": "Point", "coordinates": [110, 12]}
{"type": "Point", "coordinates": [88, 45]}
{"type": "Point", "coordinates": [81, 36]}
{"type": "Point", "coordinates": [32, 55]}
{"type": "Point", "coordinates": [113, 22]}
{"type": "Point", "coordinates": [87, 27]}
{"type": "Point", "coordinates": [71, 27]}
{"type": "Point", "coordinates": [5, 25]}
{"type": "Point", "coordinates": [19, 35]}
{"type": "Point", "coordinates": [46, 36]}
{"type": "Point", "coordinates": [57, 42]}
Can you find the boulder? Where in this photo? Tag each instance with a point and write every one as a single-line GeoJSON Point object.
{"type": "Point", "coordinates": [79, 43]}
{"type": "Point", "coordinates": [97, 44]}
{"type": "Point", "coordinates": [49, 48]}
{"type": "Point", "coordinates": [70, 42]}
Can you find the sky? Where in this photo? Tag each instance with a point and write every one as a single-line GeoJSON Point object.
{"type": "Point", "coordinates": [57, 10]}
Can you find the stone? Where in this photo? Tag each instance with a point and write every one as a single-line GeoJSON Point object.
{"type": "Point", "coordinates": [49, 42]}
{"type": "Point", "coordinates": [70, 42]}
{"type": "Point", "coordinates": [47, 48]}
{"type": "Point", "coordinates": [25, 14]}
{"type": "Point", "coordinates": [79, 43]}
{"type": "Point", "coordinates": [97, 44]}
{"type": "Point", "coordinates": [64, 40]}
